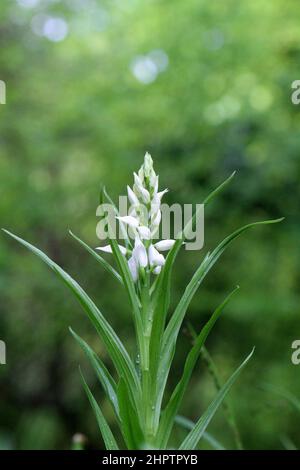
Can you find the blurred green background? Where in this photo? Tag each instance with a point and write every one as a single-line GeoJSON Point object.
{"type": "Point", "coordinates": [205, 87]}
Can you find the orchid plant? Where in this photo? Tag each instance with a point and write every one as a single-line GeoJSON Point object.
{"type": "Point", "coordinates": [136, 390]}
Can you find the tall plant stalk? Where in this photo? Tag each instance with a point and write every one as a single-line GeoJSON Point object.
{"type": "Point", "coordinates": [137, 395]}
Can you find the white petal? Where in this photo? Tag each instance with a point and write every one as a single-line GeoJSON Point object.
{"type": "Point", "coordinates": [156, 219]}
{"type": "Point", "coordinates": [132, 197]}
{"type": "Point", "coordinates": [155, 258]}
{"type": "Point", "coordinates": [161, 193]}
{"type": "Point", "coordinates": [129, 220]}
{"type": "Point", "coordinates": [107, 249]}
{"type": "Point", "coordinates": [137, 181]}
{"type": "Point", "coordinates": [154, 183]}
{"type": "Point", "coordinates": [133, 268]}
{"type": "Point", "coordinates": [164, 245]}
{"type": "Point", "coordinates": [140, 253]}
{"type": "Point", "coordinates": [145, 195]}
{"type": "Point", "coordinates": [122, 249]}
{"type": "Point", "coordinates": [144, 232]}
{"type": "Point", "coordinates": [157, 270]}
{"type": "Point", "coordinates": [154, 210]}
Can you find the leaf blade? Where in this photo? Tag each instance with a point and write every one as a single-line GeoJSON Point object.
{"type": "Point", "coordinates": [107, 435]}
{"type": "Point", "coordinates": [189, 425]}
{"type": "Point", "coordinates": [112, 342]}
{"type": "Point", "coordinates": [162, 292]}
{"type": "Point", "coordinates": [194, 436]}
{"type": "Point", "coordinates": [106, 380]}
{"type": "Point", "coordinates": [131, 429]}
{"type": "Point", "coordinates": [97, 257]}
{"type": "Point", "coordinates": [174, 325]}
{"type": "Point", "coordinates": [173, 405]}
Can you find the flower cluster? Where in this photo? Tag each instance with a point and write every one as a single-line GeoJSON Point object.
{"type": "Point", "coordinates": [143, 221]}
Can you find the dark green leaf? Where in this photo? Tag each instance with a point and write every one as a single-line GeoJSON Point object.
{"type": "Point", "coordinates": [108, 438]}
{"type": "Point", "coordinates": [194, 436]}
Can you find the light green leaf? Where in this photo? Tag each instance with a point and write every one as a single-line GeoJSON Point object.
{"type": "Point", "coordinates": [161, 297]}
{"type": "Point", "coordinates": [130, 425]}
{"type": "Point", "coordinates": [108, 438]}
{"type": "Point", "coordinates": [219, 189]}
{"type": "Point", "coordinates": [189, 425]}
{"type": "Point", "coordinates": [173, 327]}
{"type": "Point", "coordinates": [98, 258]}
{"type": "Point", "coordinates": [115, 347]}
{"type": "Point", "coordinates": [173, 405]}
{"type": "Point", "coordinates": [106, 380]}
{"type": "Point", "coordinates": [194, 436]}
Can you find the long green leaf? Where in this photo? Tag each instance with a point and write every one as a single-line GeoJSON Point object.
{"type": "Point", "coordinates": [115, 347]}
{"type": "Point", "coordinates": [189, 425]}
{"type": "Point", "coordinates": [106, 380]}
{"type": "Point", "coordinates": [124, 270]}
{"type": "Point", "coordinates": [131, 429]}
{"type": "Point", "coordinates": [108, 438]}
{"type": "Point", "coordinates": [194, 436]}
{"type": "Point", "coordinates": [161, 298]}
{"type": "Point", "coordinates": [172, 330]}
{"type": "Point", "coordinates": [128, 283]}
{"type": "Point", "coordinates": [173, 405]}
{"type": "Point", "coordinates": [98, 258]}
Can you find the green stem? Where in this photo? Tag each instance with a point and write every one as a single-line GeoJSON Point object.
{"type": "Point", "coordinates": [146, 380]}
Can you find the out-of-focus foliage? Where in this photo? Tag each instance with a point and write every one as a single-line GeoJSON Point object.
{"type": "Point", "coordinates": [205, 87]}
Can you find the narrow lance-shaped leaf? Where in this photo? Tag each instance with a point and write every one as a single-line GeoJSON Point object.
{"type": "Point", "coordinates": [161, 297]}
{"type": "Point", "coordinates": [98, 258]}
{"type": "Point", "coordinates": [131, 428]}
{"type": "Point", "coordinates": [172, 330]}
{"type": "Point", "coordinates": [128, 283]}
{"type": "Point", "coordinates": [106, 380]}
{"type": "Point", "coordinates": [189, 425]}
{"type": "Point", "coordinates": [108, 438]}
{"type": "Point", "coordinates": [228, 410]}
{"type": "Point", "coordinates": [194, 436]}
{"type": "Point", "coordinates": [115, 347]}
{"type": "Point", "coordinates": [173, 405]}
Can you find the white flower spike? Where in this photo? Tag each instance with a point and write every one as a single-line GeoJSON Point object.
{"type": "Point", "coordinates": [144, 219]}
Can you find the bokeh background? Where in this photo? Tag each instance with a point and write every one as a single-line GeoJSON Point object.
{"type": "Point", "coordinates": [205, 86]}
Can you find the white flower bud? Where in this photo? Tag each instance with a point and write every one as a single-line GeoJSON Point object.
{"type": "Point", "coordinates": [145, 195]}
{"type": "Point", "coordinates": [137, 181]}
{"type": "Point", "coordinates": [144, 232]}
{"type": "Point", "coordinates": [107, 249]}
{"type": "Point", "coordinates": [140, 253]}
{"type": "Point", "coordinates": [155, 258]}
{"type": "Point", "coordinates": [154, 183]}
{"type": "Point", "coordinates": [164, 245]}
{"type": "Point", "coordinates": [160, 194]}
{"type": "Point", "coordinates": [148, 164]}
{"type": "Point", "coordinates": [156, 220]}
{"type": "Point", "coordinates": [129, 220]}
{"type": "Point", "coordinates": [133, 268]}
{"type": "Point", "coordinates": [157, 270]}
{"type": "Point", "coordinates": [141, 174]}
{"type": "Point", "coordinates": [132, 197]}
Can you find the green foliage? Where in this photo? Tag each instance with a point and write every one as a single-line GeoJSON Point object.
{"type": "Point", "coordinates": [137, 396]}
